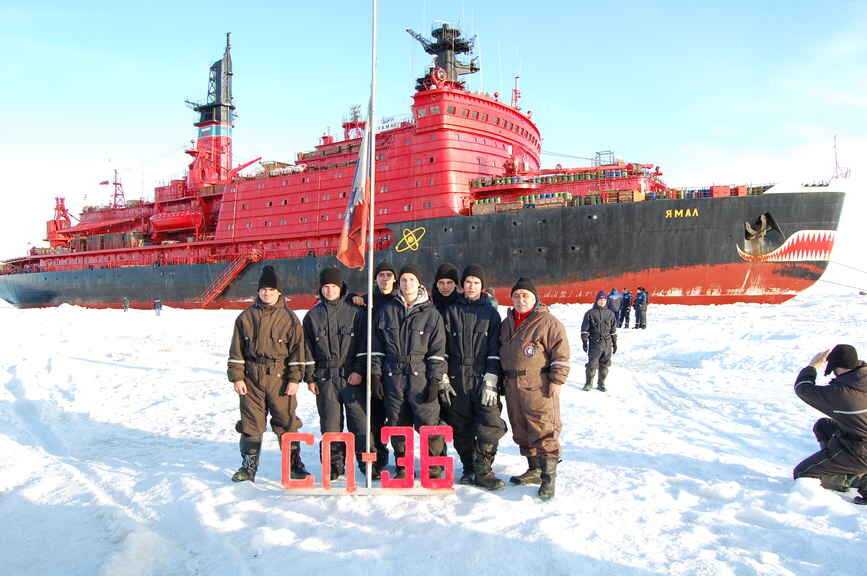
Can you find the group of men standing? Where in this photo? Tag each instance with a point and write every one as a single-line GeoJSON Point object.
{"type": "Point", "coordinates": [441, 358]}
{"type": "Point", "coordinates": [622, 303]}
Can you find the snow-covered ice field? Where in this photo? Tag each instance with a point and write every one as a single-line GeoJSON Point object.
{"type": "Point", "coordinates": [117, 444]}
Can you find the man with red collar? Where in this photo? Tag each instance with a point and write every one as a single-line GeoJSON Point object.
{"type": "Point", "coordinates": [534, 355]}
{"type": "Point", "coordinates": [842, 461]}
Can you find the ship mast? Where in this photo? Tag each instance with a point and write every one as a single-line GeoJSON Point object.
{"type": "Point", "coordinates": [445, 46]}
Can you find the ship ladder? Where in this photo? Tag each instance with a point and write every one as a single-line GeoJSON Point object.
{"type": "Point", "coordinates": [222, 281]}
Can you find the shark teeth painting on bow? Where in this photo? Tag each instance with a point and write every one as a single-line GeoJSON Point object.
{"type": "Point", "coordinates": [802, 246]}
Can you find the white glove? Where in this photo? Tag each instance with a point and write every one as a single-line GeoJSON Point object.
{"type": "Point", "coordinates": [489, 394]}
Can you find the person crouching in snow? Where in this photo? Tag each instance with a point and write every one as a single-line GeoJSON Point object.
{"type": "Point", "coordinates": [599, 340]}
{"type": "Point", "coordinates": [332, 331]}
{"type": "Point", "coordinates": [534, 355]}
{"type": "Point", "coordinates": [266, 363]}
{"type": "Point", "coordinates": [842, 461]}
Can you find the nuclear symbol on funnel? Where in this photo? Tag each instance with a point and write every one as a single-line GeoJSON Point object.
{"type": "Point", "coordinates": [410, 239]}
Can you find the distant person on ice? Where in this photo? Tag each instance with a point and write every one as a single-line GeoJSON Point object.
{"type": "Point", "coordinates": [408, 362]}
{"type": "Point", "coordinates": [842, 461]}
{"type": "Point", "coordinates": [534, 355]}
{"type": "Point", "coordinates": [266, 363]}
{"type": "Point", "coordinates": [599, 340]}
{"type": "Point", "coordinates": [640, 303]}
{"type": "Point", "coordinates": [615, 303]}
{"type": "Point", "coordinates": [625, 309]}
{"type": "Point", "coordinates": [332, 331]}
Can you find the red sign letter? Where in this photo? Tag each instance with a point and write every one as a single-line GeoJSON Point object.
{"type": "Point", "coordinates": [407, 460]}
{"type": "Point", "coordinates": [285, 448]}
{"type": "Point", "coordinates": [425, 432]}
{"type": "Point", "coordinates": [348, 440]}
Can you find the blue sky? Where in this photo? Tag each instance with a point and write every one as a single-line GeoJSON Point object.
{"type": "Point", "coordinates": [712, 92]}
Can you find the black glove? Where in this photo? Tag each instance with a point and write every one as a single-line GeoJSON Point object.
{"type": "Point", "coordinates": [614, 344]}
{"type": "Point", "coordinates": [584, 343]}
{"type": "Point", "coordinates": [376, 389]}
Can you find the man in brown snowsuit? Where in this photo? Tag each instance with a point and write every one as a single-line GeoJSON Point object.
{"type": "Point", "coordinates": [534, 355]}
{"type": "Point", "coordinates": [266, 363]}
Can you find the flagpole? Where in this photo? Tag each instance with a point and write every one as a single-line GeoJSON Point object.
{"type": "Point", "coordinates": [371, 120]}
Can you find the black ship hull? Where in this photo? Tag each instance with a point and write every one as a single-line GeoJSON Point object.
{"type": "Point", "coordinates": [690, 251]}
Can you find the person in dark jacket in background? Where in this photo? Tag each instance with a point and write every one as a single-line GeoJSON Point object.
{"type": "Point", "coordinates": [625, 308]}
{"type": "Point", "coordinates": [472, 328]}
{"type": "Point", "coordinates": [841, 462]}
{"type": "Point", "coordinates": [445, 292]}
{"type": "Point", "coordinates": [615, 303]}
{"type": "Point", "coordinates": [266, 363]}
{"type": "Point", "coordinates": [409, 361]}
{"type": "Point", "coordinates": [331, 330]}
{"type": "Point", "coordinates": [599, 340]}
{"type": "Point", "coordinates": [384, 291]}
{"type": "Point", "coordinates": [641, 302]}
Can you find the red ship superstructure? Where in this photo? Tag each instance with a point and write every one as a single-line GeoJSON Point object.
{"type": "Point", "coordinates": [459, 179]}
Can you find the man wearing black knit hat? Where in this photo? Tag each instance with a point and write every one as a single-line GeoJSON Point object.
{"type": "Point", "coordinates": [599, 340]}
{"type": "Point", "coordinates": [473, 343]}
{"type": "Point", "coordinates": [408, 361]}
{"type": "Point", "coordinates": [384, 291]}
{"type": "Point", "coordinates": [332, 332]}
{"type": "Point", "coordinates": [534, 354]}
{"type": "Point", "coordinates": [445, 287]}
{"type": "Point", "coordinates": [266, 363]}
{"type": "Point", "coordinates": [842, 461]}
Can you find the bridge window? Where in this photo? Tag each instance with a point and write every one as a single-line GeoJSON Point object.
{"type": "Point", "coordinates": [303, 219]}
{"type": "Point", "coordinates": [267, 223]}
{"type": "Point", "coordinates": [475, 114]}
{"type": "Point", "coordinates": [407, 207]}
{"type": "Point", "coordinates": [421, 112]}
{"type": "Point", "coordinates": [434, 109]}
{"type": "Point", "coordinates": [282, 222]}
{"type": "Point", "coordinates": [497, 121]}
{"type": "Point", "coordinates": [485, 117]}
{"type": "Point", "coordinates": [450, 110]}
{"type": "Point", "coordinates": [284, 202]}
{"type": "Point", "coordinates": [324, 217]}
{"type": "Point", "coordinates": [268, 204]}
{"type": "Point", "coordinates": [465, 112]}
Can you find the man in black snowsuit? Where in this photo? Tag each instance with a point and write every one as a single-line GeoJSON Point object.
{"type": "Point", "coordinates": [331, 330]}
{"type": "Point", "coordinates": [641, 301]}
{"type": "Point", "coordinates": [266, 363]}
{"type": "Point", "coordinates": [384, 291]}
{"type": "Point", "coordinates": [409, 361]}
{"type": "Point", "coordinates": [599, 340]}
{"type": "Point", "coordinates": [842, 461]}
{"type": "Point", "coordinates": [473, 345]}
{"type": "Point", "coordinates": [445, 288]}
{"type": "Point", "coordinates": [625, 309]}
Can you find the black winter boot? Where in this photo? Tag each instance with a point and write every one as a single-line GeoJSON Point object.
{"type": "Point", "coordinates": [587, 387]}
{"type": "Point", "coordinates": [483, 460]}
{"type": "Point", "coordinates": [533, 475]}
{"type": "Point", "coordinates": [467, 467]}
{"type": "Point", "coordinates": [297, 471]}
{"type": "Point", "coordinates": [250, 448]}
{"type": "Point", "coordinates": [549, 476]}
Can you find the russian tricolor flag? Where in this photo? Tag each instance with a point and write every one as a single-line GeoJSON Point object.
{"type": "Point", "coordinates": [353, 237]}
